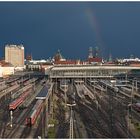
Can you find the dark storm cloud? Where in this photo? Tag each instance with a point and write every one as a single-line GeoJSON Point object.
{"type": "Point", "coordinates": [72, 27]}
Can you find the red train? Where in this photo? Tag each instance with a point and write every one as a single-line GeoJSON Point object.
{"type": "Point", "coordinates": [31, 119]}
{"type": "Point", "coordinates": [13, 105]}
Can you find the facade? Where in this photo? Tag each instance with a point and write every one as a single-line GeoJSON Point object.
{"type": "Point", "coordinates": [14, 54]}
{"type": "Point", "coordinates": [37, 65]}
{"type": "Point", "coordinates": [69, 62]}
{"type": "Point", "coordinates": [94, 60]}
{"type": "Point", "coordinates": [90, 71]}
{"type": "Point", "coordinates": [6, 69]}
{"type": "Point", "coordinates": [128, 62]}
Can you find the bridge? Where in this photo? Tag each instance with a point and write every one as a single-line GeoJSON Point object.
{"type": "Point", "coordinates": [90, 71]}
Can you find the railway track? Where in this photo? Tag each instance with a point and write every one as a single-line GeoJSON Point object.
{"type": "Point", "coordinates": [86, 112]}
{"type": "Point", "coordinates": [3, 123]}
{"type": "Point", "coordinates": [77, 132]}
{"type": "Point", "coordinates": [120, 119]}
{"type": "Point", "coordinates": [119, 116]}
{"type": "Point", "coordinates": [62, 130]}
{"type": "Point", "coordinates": [78, 123]}
{"type": "Point", "coordinates": [62, 125]}
{"type": "Point", "coordinates": [90, 124]}
{"type": "Point", "coordinates": [4, 114]}
{"type": "Point", "coordinates": [33, 131]}
{"type": "Point", "coordinates": [14, 130]}
{"type": "Point", "coordinates": [101, 124]}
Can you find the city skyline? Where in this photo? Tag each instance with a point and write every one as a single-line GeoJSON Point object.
{"type": "Point", "coordinates": [45, 27]}
{"type": "Point", "coordinates": [69, 70]}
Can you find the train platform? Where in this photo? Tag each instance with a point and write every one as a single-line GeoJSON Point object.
{"type": "Point", "coordinates": [45, 92]}
{"type": "Point", "coordinates": [136, 94]}
{"type": "Point", "coordinates": [121, 92]}
{"type": "Point", "coordinates": [34, 94]}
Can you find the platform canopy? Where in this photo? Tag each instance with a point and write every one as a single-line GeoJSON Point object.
{"type": "Point", "coordinates": [43, 93]}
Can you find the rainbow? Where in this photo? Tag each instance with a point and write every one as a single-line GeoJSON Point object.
{"type": "Point", "coordinates": [90, 15]}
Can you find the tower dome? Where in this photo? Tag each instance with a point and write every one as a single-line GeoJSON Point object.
{"type": "Point", "coordinates": [58, 56]}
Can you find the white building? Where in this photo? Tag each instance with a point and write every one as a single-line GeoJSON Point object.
{"type": "Point", "coordinates": [6, 71]}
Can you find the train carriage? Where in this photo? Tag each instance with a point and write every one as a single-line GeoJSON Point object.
{"type": "Point", "coordinates": [13, 105]}
{"type": "Point", "coordinates": [31, 119]}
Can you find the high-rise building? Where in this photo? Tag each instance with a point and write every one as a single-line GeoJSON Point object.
{"type": "Point", "coordinates": [14, 54]}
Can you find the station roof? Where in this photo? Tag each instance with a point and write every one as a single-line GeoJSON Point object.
{"type": "Point", "coordinates": [90, 67]}
{"type": "Point", "coordinates": [43, 93]}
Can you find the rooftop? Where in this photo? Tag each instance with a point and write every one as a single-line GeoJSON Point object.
{"type": "Point", "coordinates": [91, 67]}
{"type": "Point", "coordinates": [5, 64]}
{"type": "Point", "coordinates": [15, 46]}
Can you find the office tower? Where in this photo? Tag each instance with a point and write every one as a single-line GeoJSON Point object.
{"type": "Point", "coordinates": [14, 54]}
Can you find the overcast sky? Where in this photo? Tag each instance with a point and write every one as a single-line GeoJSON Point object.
{"type": "Point", "coordinates": [45, 27]}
